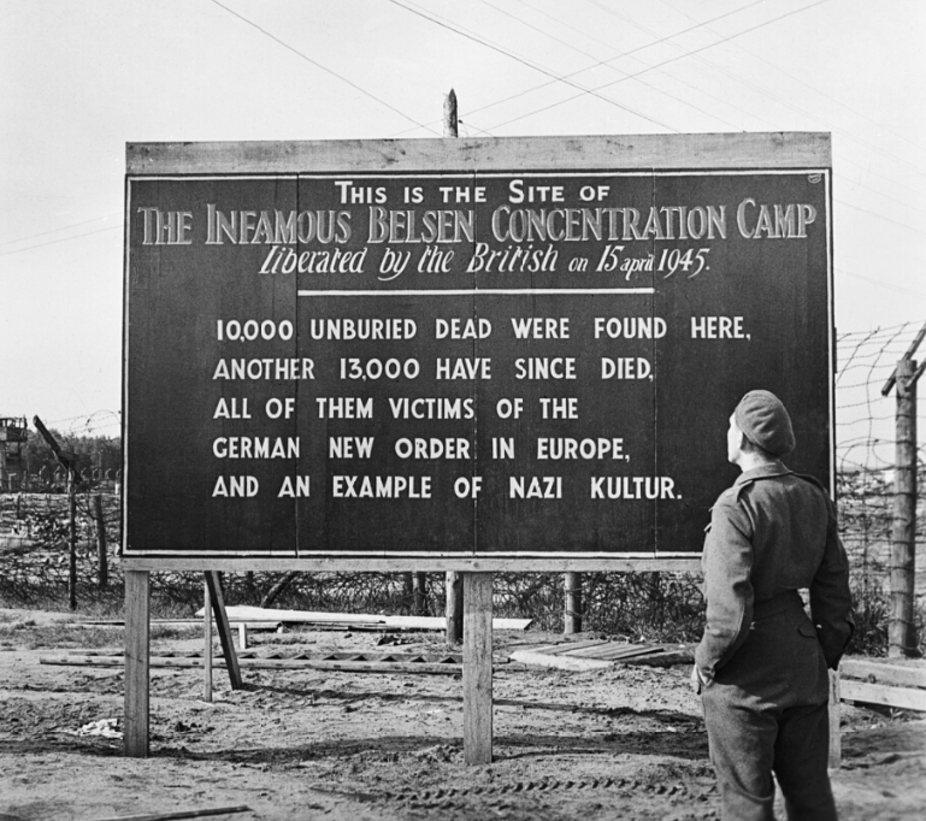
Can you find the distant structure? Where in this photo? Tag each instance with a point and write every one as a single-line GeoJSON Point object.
{"type": "Point", "coordinates": [14, 433]}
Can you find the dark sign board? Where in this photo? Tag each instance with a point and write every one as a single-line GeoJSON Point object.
{"type": "Point", "coordinates": [475, 352]}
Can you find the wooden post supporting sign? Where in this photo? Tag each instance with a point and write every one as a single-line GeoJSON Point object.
{"type": "Point", "coordinates": [137, 643]}
{"type": "Point", "coordinates": [477, 668]}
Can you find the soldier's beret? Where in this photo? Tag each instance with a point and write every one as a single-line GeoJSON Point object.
{"type": "Point", "coordinates": [765, 422]}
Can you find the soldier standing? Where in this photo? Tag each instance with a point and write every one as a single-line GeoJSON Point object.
{"type": "Point", "coordinates": [761, 664]}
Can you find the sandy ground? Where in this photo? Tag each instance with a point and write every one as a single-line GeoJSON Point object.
{"type": "Point", "coordinates": [625, 742]}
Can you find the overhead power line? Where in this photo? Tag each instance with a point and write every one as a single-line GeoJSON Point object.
{"type": "Point", "coordinates": [736, 77]}
{"type": "Point", "coordinates": [324, 68]}
{"type": "Point", "coordinates": [584, 53]}
{"type": "Point", "coordinates": [610, 60]}
{"type": "Point", "coordinates": [783, 101]}
{"type": "Point", "coordinates": [800, 80]}
{"type": "Point", "coordinates": [57, 230]}
{"type": "Point", "coordinates": [675, 59]}
{"type": "Point", "coordinates": [881, 283]}
{"type": "Point", "coordinates": [528, 63]}
{"type": "Point", "coordinates": [56, 241]}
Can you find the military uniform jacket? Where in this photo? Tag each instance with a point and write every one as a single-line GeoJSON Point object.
{"type": "Point", "coordinates": [771, 534]}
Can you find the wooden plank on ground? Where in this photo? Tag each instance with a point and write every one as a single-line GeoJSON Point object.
{"type": "Point", "coordinates": [663, 658]}
{"type": "Point", "coordinates": [594, 655]}
{"type": "Point", "coordinates": [406, 658]}
{"type": "Point", "coordinates": [561, 662]}
{"type": "Point", "coordinates": [884, 672]}
{"type": "Point", "coordinates": [271, 664]}
{"type": "Point", "coordinates": [566, 647]}
{"type": "Point", "coordinates": [361, 620]}
{"type": "Point", "coordinates": [174, 816]}
{"type": "Point", "coordinates": [903, 698]}
{"type": "Point", "coordinates": [624, 652]}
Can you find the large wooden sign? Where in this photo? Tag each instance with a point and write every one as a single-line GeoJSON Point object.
{"type": "Point", "coordinates": [511, 349]}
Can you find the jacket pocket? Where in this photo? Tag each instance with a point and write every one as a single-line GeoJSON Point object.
{"type": "Point", "coordinates": [805, 628]}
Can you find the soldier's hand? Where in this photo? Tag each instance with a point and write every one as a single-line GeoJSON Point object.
{"type": "Point", "coordinates": [698, 682]}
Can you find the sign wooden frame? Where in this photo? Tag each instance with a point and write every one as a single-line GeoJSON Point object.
{"type": "Point", "coordinates": [715, 153]}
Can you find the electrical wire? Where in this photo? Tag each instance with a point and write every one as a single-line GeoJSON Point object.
{"type": "Point", "coordinates": [675, 59]}
{"type": "Point", "coordinates": [523, 61]}
{"type": "Point", "coordinates": [898, 288]}
{"type": "Point", "coordinates": [561, 41]}
{"type": "Point", "coordinates": [63, 239]}
{"type": "Point", "coordinates": [880, 216]}
{"type": "Point", "coordinates": [56, 230]}
{"type": "Point", "coordinates": [324, 68]}
{"type": "Point", "coordinates": [610, 60]}
{"type": "Point", "coordinates": [816, 90]}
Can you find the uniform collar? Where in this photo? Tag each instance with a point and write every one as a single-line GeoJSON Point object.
{"type": "Point", "coordinates": [762, 472]}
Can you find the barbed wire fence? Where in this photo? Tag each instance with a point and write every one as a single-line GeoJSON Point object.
{"type": "Point", "coordinates": [866, 462]}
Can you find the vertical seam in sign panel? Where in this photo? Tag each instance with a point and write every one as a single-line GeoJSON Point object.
{"type": "Point", "coordinates": [656, 510]}
{"type": "Point", "coordinates": [475, 471]}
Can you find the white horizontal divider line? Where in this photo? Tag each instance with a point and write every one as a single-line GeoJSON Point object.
{"type": "Point", "coordinates": [483, 292]}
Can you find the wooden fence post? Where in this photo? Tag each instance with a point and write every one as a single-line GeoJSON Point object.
{"type": "Point", "coordinates": [69, 463]}
{"type": "Point", "coordinates": [454, 611]}
{"type": "Point", "coordinates": [419, 594]}
{"type": "Point", "coordinates": [901, 632]}
{"type": "Point", "coordinates": [572, 618]}
{"type": "Point", "coordinates": [103, 579]}
{"type": "Point", "coordinates": [72, 538]}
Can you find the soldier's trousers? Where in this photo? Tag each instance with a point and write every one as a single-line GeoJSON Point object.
{"type": "Point", "coordinates": [766, 712]}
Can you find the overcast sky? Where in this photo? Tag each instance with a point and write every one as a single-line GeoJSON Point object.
{"type": "Point", "coordinates": [80, 79]}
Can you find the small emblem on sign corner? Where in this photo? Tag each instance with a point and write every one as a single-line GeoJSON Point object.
{"type": "Point", "coordinates": [814, 178]}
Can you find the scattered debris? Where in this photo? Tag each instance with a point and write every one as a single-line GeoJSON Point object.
{"type": "Point", "coordinates": [105, 727]}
